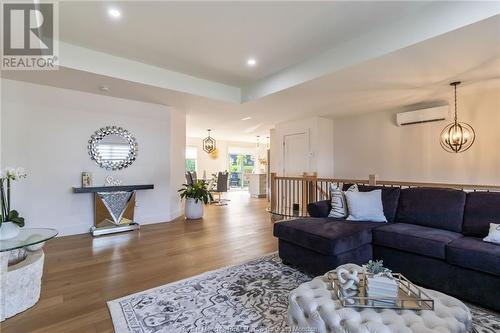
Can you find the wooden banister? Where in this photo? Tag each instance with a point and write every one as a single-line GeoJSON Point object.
{"type": "Point", "coordinates": [288, 192]}
{"type": "Point", "coordinates": [273, 191]}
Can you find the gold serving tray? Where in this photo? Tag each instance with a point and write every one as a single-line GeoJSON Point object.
{"type": "Point", "coordinates": [411, 297]}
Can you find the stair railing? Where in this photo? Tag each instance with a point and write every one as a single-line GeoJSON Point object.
{"type": "Point", "coordinates": [290, 195]}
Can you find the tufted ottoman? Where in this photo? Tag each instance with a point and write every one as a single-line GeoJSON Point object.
{"type": "Point", "coordinates": [314, 304]}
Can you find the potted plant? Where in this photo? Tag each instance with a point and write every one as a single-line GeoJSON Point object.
{"type": "Point", "coordinates": [380, 282]}
{"type": "Point", "coordinates": [196, 196]}
{"type": "Point", "coordinates": [10, 220]}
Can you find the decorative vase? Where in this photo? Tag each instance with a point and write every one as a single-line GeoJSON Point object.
{"type": "Point", "coordinates": [194, 210]}
{"type": "Point", "coordinates": [8, 230]}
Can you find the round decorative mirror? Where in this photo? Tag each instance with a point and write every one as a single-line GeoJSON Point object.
{"type": "Point", "coordinates": [112, 148]}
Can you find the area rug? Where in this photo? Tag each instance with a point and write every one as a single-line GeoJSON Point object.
{"type": "Point", "coordinates": [249, 297]}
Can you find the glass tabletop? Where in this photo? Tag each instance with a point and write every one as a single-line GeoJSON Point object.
{"type": "Point", "coordinates": [27, 237]}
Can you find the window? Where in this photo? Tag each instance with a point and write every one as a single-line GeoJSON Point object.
{"type": "Point", "coordinates": [240, 166]}
{"type": "Point", "coordinates": [191, 156]}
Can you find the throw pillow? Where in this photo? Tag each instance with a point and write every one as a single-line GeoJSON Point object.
{"type": "Point", "coordinates": [339, 205]}
{"type": "Point", "coordinates": [493, 234]}
{"type": "Point", "coordinates": [365, 206]}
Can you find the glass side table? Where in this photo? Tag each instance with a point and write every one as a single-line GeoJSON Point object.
{"type": "Point", "coordinates": [21, 270]}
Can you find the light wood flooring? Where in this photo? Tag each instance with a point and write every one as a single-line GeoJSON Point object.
{"type": "Point", "coordinates": [81, 273]}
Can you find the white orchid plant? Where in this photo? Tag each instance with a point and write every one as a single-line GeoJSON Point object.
{"type": "Point", "coordinates": [6, 214]}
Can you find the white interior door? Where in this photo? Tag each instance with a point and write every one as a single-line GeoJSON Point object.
{"type": "Point", "coordinates": [294, 154]}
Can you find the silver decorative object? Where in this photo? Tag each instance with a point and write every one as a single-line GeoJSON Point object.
{"type": "Point", "coordinates": [346, 278]}
{"type": "Point", "coordinates": [112, 181]}
{"type": "Point", "coordinates": [112, 148]}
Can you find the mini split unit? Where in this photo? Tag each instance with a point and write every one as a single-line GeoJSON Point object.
{"type": "Point", "coordinates": [423, 116]}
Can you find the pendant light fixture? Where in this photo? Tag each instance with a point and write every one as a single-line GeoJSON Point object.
{"type": "Point", "coordinates": [268, 143]}
{"type": "Point", "coordinates": [457, 137]}
{"type": "Point", "coordinates": [258, 142]}
{"type": "Point", "coordinates": [209, 143]}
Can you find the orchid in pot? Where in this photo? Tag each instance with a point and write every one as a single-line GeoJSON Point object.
{"type": "Point", "coordinates": [10, 220]}
{"type": "Point", "coordinates": [196, 195]}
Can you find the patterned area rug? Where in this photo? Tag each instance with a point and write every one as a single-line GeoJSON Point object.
{"type": "Point", "coordinates": [250, 297]}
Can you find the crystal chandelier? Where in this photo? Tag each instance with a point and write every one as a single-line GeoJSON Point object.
{"type": "Point", "coordinates": [209, 143]}
{"type": "Point", "coordinates": [457, 137]}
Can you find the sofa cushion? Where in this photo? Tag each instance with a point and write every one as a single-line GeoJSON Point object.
{"type": "Point", "coordinates": [413, 238]}
{"type": "Point", "coordinates": [432, 207]}
{"type": "Point", "coordinates": [473, 253]}
{"type": "Point", "coordinates": [319, 208]}
{"type": "Point", "coordinates": [493, 234]}
{"type": "Point", "coordinates": [365, 206]}
{"type": "Point", "coordinates": [390, 198]}
{"type": "Point", "coordinates": [481, 209]}
{"type": "Point", "coordinates": [328, 236]}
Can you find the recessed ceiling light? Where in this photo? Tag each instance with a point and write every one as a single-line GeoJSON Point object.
{"type": "Point", "coordinates": [251, 62]}
{"type": "Point", "coordinates": [246, 118]}
{"type": "Point", "coordinates": [114, 13]}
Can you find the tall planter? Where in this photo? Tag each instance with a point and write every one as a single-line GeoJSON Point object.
{"type": "Point", "coordinates": [196, 195]}
{"type": "Point", "coordinates": [193, 209]}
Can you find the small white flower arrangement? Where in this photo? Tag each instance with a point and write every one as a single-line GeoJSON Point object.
{"type": "Point", "coordinates": [6, 177]}
{"type": "Point", "coordinates": [15, 173]}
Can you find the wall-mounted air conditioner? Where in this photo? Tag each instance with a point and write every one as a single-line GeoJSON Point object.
{"type": "Point", "coordinates": [423, 116]}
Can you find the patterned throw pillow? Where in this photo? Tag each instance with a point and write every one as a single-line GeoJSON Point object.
{"type": "Point", "coordinates": [494, 234]}
{"type": "Point", "coordinates": [339, 203]}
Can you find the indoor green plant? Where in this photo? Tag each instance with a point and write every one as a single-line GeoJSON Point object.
{"type": "Point", "coordinates": [196, 195]}
{"type": "Point", "coordinates": [10, 220]}
{"type": "Point", "coordinates": [376, 268]}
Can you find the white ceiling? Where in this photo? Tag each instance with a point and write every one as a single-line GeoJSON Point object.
{"type": "Point", "coordinates": [416, 75]}
{"type": "Point", "coordinates": [399, 80]}
{"type": "Point", "coordinates": [212, 40]}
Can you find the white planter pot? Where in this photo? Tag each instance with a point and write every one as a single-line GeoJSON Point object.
{"type": "Point", "coordinates": [8, 230]}
{"type": "Point", "coordinates": [194, 210]}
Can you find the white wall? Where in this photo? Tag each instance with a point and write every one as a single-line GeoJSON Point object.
{"type": "Point", "coordinates": [46, 130]}
{"type": "Point", "coordinates": [373, 144]}
{"type": "Point", "coordinates": [177, 159]}
{"type": "Point", "coordinates": [319, 137]}
{"type": "Point", "coordinates": [221, 163]}
{"type": "Point", "coordinates": [1, 117]}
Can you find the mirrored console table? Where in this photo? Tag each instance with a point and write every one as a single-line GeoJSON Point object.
{"type": "Point", "coordinates": [113, 207]}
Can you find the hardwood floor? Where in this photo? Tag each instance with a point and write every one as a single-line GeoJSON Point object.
{"type": "Point", "coordinates": [81, 273]}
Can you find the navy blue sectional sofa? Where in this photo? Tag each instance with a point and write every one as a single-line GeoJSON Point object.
{"type": "Point", "coordinates": [433, 236]}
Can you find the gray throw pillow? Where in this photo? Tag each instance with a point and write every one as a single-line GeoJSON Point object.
{"type": "Point", "coordinates": [494, 234]}
{"type": "Point", "coordinates": [339, 203]}
{"type": "Point", "coordinates": [365, 206]}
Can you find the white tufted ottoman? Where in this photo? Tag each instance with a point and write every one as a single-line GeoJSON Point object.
{"type": "Point", "coordinates": [314, 304]}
